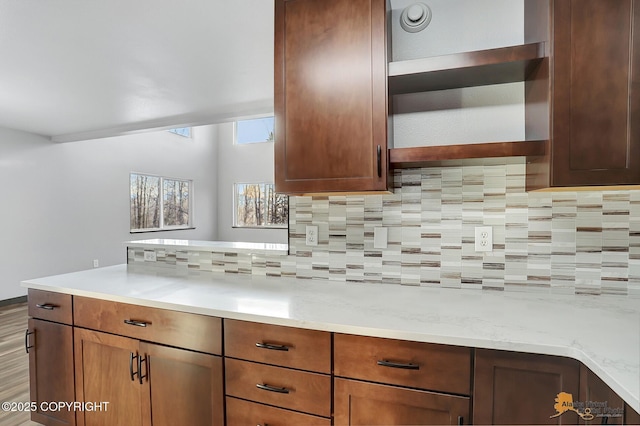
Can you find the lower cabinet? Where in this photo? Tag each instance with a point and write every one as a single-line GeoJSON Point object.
{"type": "Point", "coordinates": [133, 365]}
{"type": "Point", "coordinates": [145, 383]}
{"type": "Point", "coordinates": [631, 417]}
{"type": "Point", "coordinates": [604, 404]}
{"type": "Point", "coordinates": [276, 375]}
{"type": "Point", "coordinates": [106, 371]}
{"type": "Point", "coordinates": [396, 382]}
{"type": "Point", "coordinates": [50, 349]}
{"type": "Point", "coordinates": [49, 343]}
{"type": "Point", "coordinates": [362, 403]}
{"type": "Point", "coordinates": [516, 388]}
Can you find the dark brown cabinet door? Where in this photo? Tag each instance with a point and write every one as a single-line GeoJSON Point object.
{"type": "Point", "coordinates": [596, 92]}
{"type": "Point", "coordinates": [330, 96]}
{"type": "Point", "coordinates": [631, 417]}
{"type": "Point", "coordinates": [362, 403]}
{"type": "Point", "coordinates": [608, 407]}
{"type": "Point", "coordinates": [516, 388]}
{"type": "Point", "coordinates": [186, 387]}
{"type": "Point", "coordinates": [51, 370]}
{"type": "Point", "coordinates": [104, 374]}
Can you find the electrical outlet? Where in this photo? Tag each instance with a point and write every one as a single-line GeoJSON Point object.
{"type": "Point", "coordinates": [484, 239]}
{"type": "Point", "coordinates": [312, 235]}
{"type": "Point", "coordinates": [96, 263]}
{"type": "Point", "coordinates": [149, 256]}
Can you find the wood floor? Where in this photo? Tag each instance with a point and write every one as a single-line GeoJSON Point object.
{"type": "Point", "coordinates": [14, 363]}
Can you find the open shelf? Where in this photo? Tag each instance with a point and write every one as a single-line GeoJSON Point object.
{"type": "Point", "coordinates": [478, 68]}
{"type": "Point", "coordinates": [422, 156]}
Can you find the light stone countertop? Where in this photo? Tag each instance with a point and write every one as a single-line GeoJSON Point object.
{"type": "Point", "coordinates": [603, 332]}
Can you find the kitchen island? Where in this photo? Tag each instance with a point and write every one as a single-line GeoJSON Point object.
{"type": "Point", "coordinates": [601, 332]}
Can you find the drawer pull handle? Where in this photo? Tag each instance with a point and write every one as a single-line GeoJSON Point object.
{"type": "Point", "coordinates": [27, 346]}
{"type": "Point", "coordinates": [47, 306]}
{"type": "Point", "coordinates": [136, 323]}
{"type": "Point", "coordinates": [379, 158]}
{"type": "Point", "coordinates": [272, 347]}
{"type": "Point", "coordinates": [272, 388]}
{"type": "Point", "coordinates": [385, 363]}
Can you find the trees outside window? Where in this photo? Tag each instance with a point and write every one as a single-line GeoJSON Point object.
{"type": "Point", "coordinates": [159, 203]}
{"type": "Point", "coordinates": [258, 205]}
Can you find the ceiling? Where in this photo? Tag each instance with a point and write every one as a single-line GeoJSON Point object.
{"type": "Point", "coordinates": [82, 69]}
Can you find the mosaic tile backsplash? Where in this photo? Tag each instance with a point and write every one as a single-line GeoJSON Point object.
{"type": "Point", "coordinates": [585, 242]}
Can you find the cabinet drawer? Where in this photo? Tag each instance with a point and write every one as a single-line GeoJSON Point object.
{"type": "Point", "coordinates": [298, 390]}
{"type": "Point", "coordinates": [242, 413]}
{"type": "Point", "coordinates": [190, 331]}
{"type": "Point", "coordinates": [278, 345]}
{"type": "Point", "coordinates": [50, 306]}
{"type": "Point", "coordinates": [418, 365]}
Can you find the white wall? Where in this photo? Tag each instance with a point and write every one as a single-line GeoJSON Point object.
{"type": "Point", "coordinates": [63, 205]}
{"type": "Point", "coordinates": [242, 164]}
{"type": "Point", "coordinates": [470, 115]}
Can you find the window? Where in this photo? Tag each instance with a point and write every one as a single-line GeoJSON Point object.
{"type": "Point", "coordinates": [159, 203]}
{"type": "Point", "coordinates": [182, 131]}
{"type": "Point", "coordinates": [255, 131]}
{"type": "Point", "coordinates": [258, 205]}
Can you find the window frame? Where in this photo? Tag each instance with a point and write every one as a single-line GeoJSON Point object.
{"type": "Point", "coordinates": [161, 195]}
{"type": "Point", "coordinates": [234, 207]}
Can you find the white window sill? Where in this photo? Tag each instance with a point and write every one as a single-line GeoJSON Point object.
{"type": "Point", "coordinates": [212, 246]}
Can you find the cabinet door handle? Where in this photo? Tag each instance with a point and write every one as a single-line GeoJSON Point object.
{"type": "Point", "coordinates": [27, 346]}
{"type": "Point", "coordinates": [272, 346]}
{"type": "Point", "coordinates": [271, 388]}
{"type": "Point", "coordinates": [133, 375]}
{"type": "Point", "coordinates": [136, 323]}
{"type": "Point", "coordinates": [47, 306]}
{"type": "Point", "coordinates": [379, 161]}
{"type": "Point", "coordinates": [140, 370]}
{"type": "Point", "coordinates": [385, 363]}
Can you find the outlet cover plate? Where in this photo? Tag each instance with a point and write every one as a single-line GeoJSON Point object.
{"type": "Point", "coordinates": [149, 255]}
{"type": "Point", "coordinates": [311, 238]}
{"type": "Point", "coordinates": [484, 239]}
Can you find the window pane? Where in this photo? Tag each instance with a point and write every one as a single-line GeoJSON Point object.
{"type": "Point", "coordinates": [145, 206]}
{"type": "Point", "coordinates": [257, 204]}
{"type": "Point", "coordinates": [182, 131]}
{"type": "Point", "coordinates": [255, 131]}
{"type": "Point", "coordinates": [176, 202]}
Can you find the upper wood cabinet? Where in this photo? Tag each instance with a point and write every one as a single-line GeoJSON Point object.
{"type": "Point", "coordinates": [330, 96]}
{"type": "Point", "coordinates": [594, 94]}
